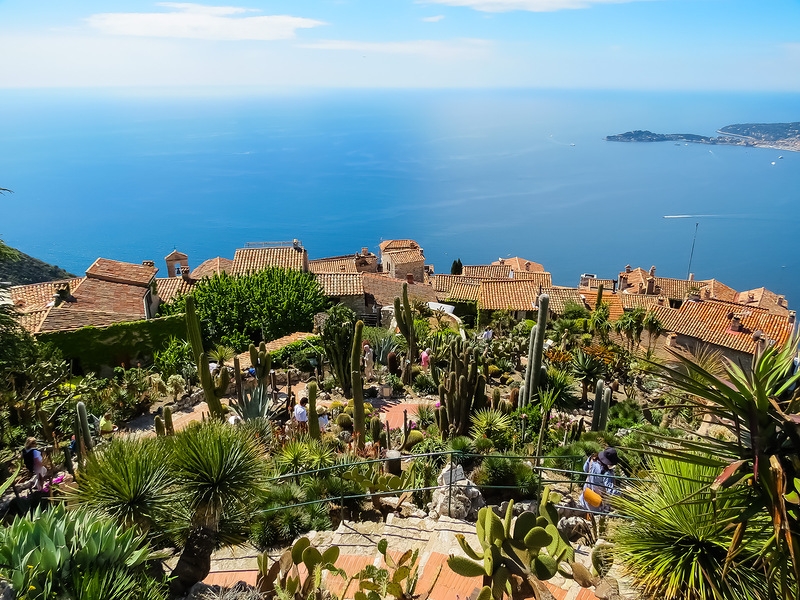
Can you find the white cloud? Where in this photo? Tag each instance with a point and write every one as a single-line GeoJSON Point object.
{"type": "Point", "coordinates": [431, 48]}
{"type": "Point", "coordinates": [528, 5]}
{"type": "Point", "coordinates": [435, 19]}
{"type": "Point", "coordinates": [196, 21]}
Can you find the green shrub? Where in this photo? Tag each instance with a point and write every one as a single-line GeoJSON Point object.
{"type": "Point", "coordinates": [424, 416]}
{"type": "Point", "coordinates": [345, 421]}
{"type": "Point", "coordinates": [423, 384]}
{"type": "Point", "coordinates": [499, 477]}
{"type": "Point", "coordinates": [328, 384]}
{"type": "Point", "coordinates": [397, 385]}
{"type": "Point", "coordinates": [624, 415]}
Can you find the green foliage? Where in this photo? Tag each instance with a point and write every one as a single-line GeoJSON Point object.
{"type": "Point", "coordinates": [403, 314]}
{"type": "Point", "coordinates": [255, 404]}
{"type": "Point", "coordinates": [500, 477]}
{"type": "Point", "coordinates": [415, 436]}
{"type": "Point", "coordinates": [75, 555]}
{"type": "Point", "coordinates": [462, 388]}
{"type": "Point", "coordinates": [299, 354]}
{"type": "Point", "coordinates": [259, 306]}
{"type": "Point", "coordinates": [677, 545]}
{"type": "Point", "coordinates": [398, 581]}
{"type": "Point", "coordinates": [490, 423]}
{"type": "Point", "coordinates": [357, 353]}
{"type": "Point", "coordinates": [118, 343]}
{"type": "Point", "coordinates": [624, 415]}
{"type": "Point", "coordinates": [587, 369]}
{"type": "Point", "coordinates": [283, 578]}
{"type": "Point", "coordinates": [337, 339]}
{"type": "Point", "coordinates": [423, 384]}
{"type": "Point", "coordinates": [280, 520]}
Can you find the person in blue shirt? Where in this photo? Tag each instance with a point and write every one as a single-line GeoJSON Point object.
{"type": "Point", "coordinates": [600, 480]}
{"type": "Point", "coordinates": [33, 462]}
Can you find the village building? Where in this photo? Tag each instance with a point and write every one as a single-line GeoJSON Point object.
{"type": "Point", "coordinates": [257, 256]}
{"type": "Point", "coordinates": [362, 262]}
{"type": "Point", "coordinates": [211, 267]}
{"type": "Point", "coordinates": [518, 264]}
{"type": "Point", "coordinates": [111, 292]}
{"type": "Point", "coordinates": [401, 258]}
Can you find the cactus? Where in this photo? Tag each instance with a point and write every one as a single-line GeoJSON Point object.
{"type": "Point", "coordinates": [375, 430]}
{"type": "Point", "coordinates": [536, 382]}
{"type": "Point", "coordinates": [257, 404]}
{"type": "Point", "coordinates": [161, 430]}
{"type": "Point", "coordinates": [47, 427]}
{"type": "Point", "coordinates": [462, 391]}
{"type": "Point", "coordinates": [505, 407]}
{"type": "Point", "coordinates": [513, 397]}
{"type": "Point", "coordinates": [597, 409]}
{"type": "Point", "coordinates": [529, 547]}
{"type": "Point", "coordinates": [604, 407]}
{"type": "Point", "coordinates": [83, 425]}
{"type": "Point", "coordinates": [344, 421]}
{"type": "Point", "coordinates": [405, 322]}
{"type": "Point", "coordinates": [393, 364]}
{"type": "Point", "coordinates": [261, 361]}
{"type": "Point", "coordinates": [496, 398]}
{"type": "Point", "coordinates": [337, 339]}
{"type": "Point", "coordinates": [602, 558]}
{"type": "Point", "coordinates": [213, 388]}
{"type": "Point", "coordinates": [414, 437]}
{"type": "Point", "coordinates": [284, 574]}
{"type": "Point", "coordinates": [399, 579]}
{"type": "Point", "coordinates": [169, 428]}
{"type": "Point", "coordinates": [377, 484]}
{"type": "Point", "coordinates": [313, 419]}
{"type": "Point", "coordinates": [599, 300]}
{"type": "Point", "coordinates": [237, 374]}
{"type": "Point", "coordinates": [359, 430]}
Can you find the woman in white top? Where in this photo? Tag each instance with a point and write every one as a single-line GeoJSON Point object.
{"type": "Point", "coordinates": [301, 415]}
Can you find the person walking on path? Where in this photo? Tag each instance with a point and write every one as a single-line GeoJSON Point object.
{"type": "Point", "coordinates": [32, 459]}
{"type": "Point", "coordinates": [487, 335]}
{"type": "Point", "coordinates": [600, 480]}
{"type": "Point", "coordinates": [369, 362]}
{"type": "Point", "coordinates": [425, 358]}
{"type": "Point", "coordinates": [301, 415]}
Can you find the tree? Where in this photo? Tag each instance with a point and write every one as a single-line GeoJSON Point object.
{"type": "Point", "coordinates": [6, 252]}
{"type": "Point", "coordinates": [599, 323]}
{"type": "Point", "coordinates": [760, 407]}
{"type": "Point", "coordinates": [456, 268]}
{"type": "Point", "coordinates": [654, 328]}
{"type": "Point", "coordinates": [587, 369]}
{"type": "Point", "coordinates": [631, 325]}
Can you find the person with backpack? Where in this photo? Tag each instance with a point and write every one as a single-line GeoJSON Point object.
{"type": "Point", "coordinates": [32, 459]}
{"type": "Point", "coordinates": [599, 483]}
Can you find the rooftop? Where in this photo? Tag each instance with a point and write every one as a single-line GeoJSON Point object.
{"type": "Point", "coordinates": [334, 264]}
{"type": "Point", "coordinates": [211, 267]}
{"type": "Point", "coordinates": [341, 284]}
{"type": "Point", "coordinates": [250, 260]}
{"type": "Point", "coordinates": [121, 272]}
{"type": "Point", "coordinates": [169, 288]}
{"type": "Point", "coordinates": [385, 289]}
{"type": "Point", "coordinates": [519, 264]}
{"type": "Point", "coordinates": [392, 245]}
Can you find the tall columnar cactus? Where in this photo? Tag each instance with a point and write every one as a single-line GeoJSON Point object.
{"type": "Point", "coordinates": [597, 408]}
{"type": "Point", "coordinates": [359, 429]}
{"type": "Point", "coordinates": [599, 299]}
{"type": "Point", "coordinates": [462, 391]}
{"type": "Point", "coordinates": [261, 361]}
{"type": "Point", "coordinates": [528, 548]}
{"type": "Point", "coordinates": [161, 429]}
{"type": "Point", "coordinates": [405, 321]}
{"type": "Point", "coordinates": [313, 419]}
{"type": "Point", "coordinates": [169, 427]}
{"type": "Point", "coordinates": [237, 374]}
{"type": "Point", "coordinates": [83, 425]}
{"type": "Point", "coordinates": [604, 407]}
{"type": "Point", "coordinates": [213, 388]}
{"type": "Point", "coordinates": [538, 349]}
{"type": "Point", "coordinates": [375, 430]}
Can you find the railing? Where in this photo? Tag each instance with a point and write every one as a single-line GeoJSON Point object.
{"type": "Point", "coordinates": [283, 244]}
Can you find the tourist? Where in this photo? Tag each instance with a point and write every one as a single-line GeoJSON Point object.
{"type": "Point", "coordinates": [107, 427]}
{"type": "Point", "coordinates": [600, 480]}
{"type": "Point", "coordinates": [425, 358]}
{"type": "Point", "coordinates": [487, 335]}
{"type": "Point", "coordinates": [322, 413]}
{"type": "Point", "coordinates": [301, 415]}
{"type": "Point", "coordinates": [369, 362]}
{"type": "Point", "coordinates": [32, 459]}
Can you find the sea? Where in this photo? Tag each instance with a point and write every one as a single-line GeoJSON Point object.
{"type": "Point", "coordinates": [474, 175]}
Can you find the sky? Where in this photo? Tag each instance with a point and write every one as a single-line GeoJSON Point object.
{"type": "Point", "coordinates": [723, 45]}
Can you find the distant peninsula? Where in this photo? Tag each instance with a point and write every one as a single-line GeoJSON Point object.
{"type": "Point", "coordinates": [779, 136]}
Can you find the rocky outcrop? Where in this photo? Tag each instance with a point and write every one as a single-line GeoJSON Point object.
{"type": "Point", "coordinates": [456, 497]}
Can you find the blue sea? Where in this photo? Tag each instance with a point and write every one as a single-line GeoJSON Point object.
{"type": "Point", "coordinates": [475, 175]}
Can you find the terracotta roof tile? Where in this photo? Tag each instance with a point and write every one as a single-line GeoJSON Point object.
{"type": "Point", "coordinates": [385, 289]}
{"type": "Point", "coordinates": [463, 292]}
{"type": "Point", "coordinates": [250, 260]}
{"type": "Point", "coordinates": [211, 267]}
{"type": "Point", "coordinates": [106, 296]}
{"type": "Point", "coordinates": [338, 264]}
{"type": "Point", "coordinates": [508, 294]}
{"type": "Point", "coordinates": [341, 284]}
{"type": "Point", "coordinates": [631, 301]}
{"type": "Point", "coordinates": [244, 357]}
{"type": "Point", "coordinates": [616, 306]}
{"type": "Point", "coordinates": [405, 257]}
{"type": "Point", "coordinates": [176, 255]}
{"type": "Point", "coordinates": [389, 245]}
{"type": "Point", "coordinates": [711, 289]}
{"type": "Point", "coordinates": [710, 322]}
{"type": "Point", "coordinates": [58, 319]}
{"type": "Point", "coordinates": [121, 272]}
{"type": "Point", "coordinates": [594, 283]}
{"type": "Point", "coordinates": [764, 298]}
{"type": "Point", "coordinates": [560, 296]}
{"type": "Point", "coordinates": [31, 320]}
{"type": "Point", "coordinates": [520, 264]}
{"type": "Point", "coordinates": [36, 296]}
{"type": "Point", "coordinates": [504, 272]}
{"type": "Point", "coordinates": [443, 283]}
{"type": "Point", "coordinates": [169, 288]}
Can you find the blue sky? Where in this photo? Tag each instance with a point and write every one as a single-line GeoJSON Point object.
{"type": "Point", "coordinates": [615, 44]}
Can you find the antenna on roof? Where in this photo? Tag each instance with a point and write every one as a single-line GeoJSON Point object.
{"type": "Point", "coordinates": [691, 254]}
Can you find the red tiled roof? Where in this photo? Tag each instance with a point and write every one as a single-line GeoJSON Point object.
{"type": "Point", "coordinates": [338, 264]}
{"type": "Point", "coordinates": [764, 298]}
{"type": "Point", "coordinates": [594, 283]}
{"type": "Point", "coordinates": [35, 296]}
{"type": "Point", "coordinates": [505, 272]}
{"type": "Point", "coordinates": [385, 289]}
{"type": "Point", "coordinates": [508, 294]}
{"type": "Point", "coordinates": [404, 257]}
{"type": "Point", "coordinates": [520, 264]}
{"type": "Point", "coordinates": [106, 296]}
{"type": "Point", "coordinates": [121, 272]}
{"type": "Point", "coordinates": [616, 305]}
{"type": "Point", "coordinates": [341, 284]}
{"type": "Point", "coordinates": [464, 292]}
{"type": "Point", "coordinates": [176, 255]}
{"type": "Point", "coordinates": [58, 319]}
{"type": "Point", "coordinates": [211, 267]}
{"type": "Point", "coordinates": [388, 245]}
{"type": "Point", "coordinates": [169, 288]}
{"type": "Point", "coordinates": [31, 320]}
{"type": "Point", "coordinates": [250, 260]}
{"type": "Point", "coordinates": [709, 321]}
{"type": "Point", "coordinates": [443, 283]}
{"type": "Point", "coordinates": [560, 296]}
{"type": "Point", "coordinates": [244, 357]}
{"type": "Point", "coordinates": [712, 289]}
{"type": "Point", "coordinates": [631, 301]}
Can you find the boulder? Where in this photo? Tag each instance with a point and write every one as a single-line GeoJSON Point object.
{"type": "Point", "coordinates": [457, 497]}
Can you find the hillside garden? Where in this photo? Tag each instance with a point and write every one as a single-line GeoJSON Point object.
{"type": "Point", "coordinates": [708, 477]}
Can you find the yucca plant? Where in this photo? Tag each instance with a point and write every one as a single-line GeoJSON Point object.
{"type": "Point", "coordinates": [220, 472]}
{"type": "Point", "coordinates": [489, 423]}
{"type": "Point", "coordinates": [675, 546]}
{"type": "Point", "coordinates": [222, 354]}
{"type": "Point", "coordinates": [293, 457]}
{"type": "Point", "coordinates": [129, 480]}
{"type": "Point", "coordinates": [761, 410]}
{"type": "Point", "coordinates": [586, 369]}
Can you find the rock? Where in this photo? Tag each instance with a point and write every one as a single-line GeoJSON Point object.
{"type": "Point", "coordinates": [449, 476]}
{"type": "Point", "coordinates": [466, 499]}
{"type": "Point", "coordinates": [393, 464]}
{"type": "Point", "coordinates": [6, 591]}
{"type": "Point", "coordinates": [607, 589]}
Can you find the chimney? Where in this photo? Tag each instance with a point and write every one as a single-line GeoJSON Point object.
{"type": "Point", "coordinates": [61, 294]}
{"type": "Point", "coordinates": [707, 292]}
{"type": "Point", "coordinates": [792, 317]}
{"type": "Point", "coordinates": [528, 266]}
{"type": "Point", "coordinates": [364, 251]}
{"type": "Point", "coordinates": [185, 272]}
{"type": "Point", "coordinates": [651, 284]}
{"type": "Point", "coordinates": [653, 271]}
{"type": "Point", "coordinates": [660, 300]}
{"type": "Point", "coordinates": [736, 323]}
{"type": "Point", "coordinates": [782, 301]}
{"type": "Point", "coordinates": [691, 276]}
{"type": "Point", "coordinates": [296, 244]}
{"type": "Point", "coordinates": [410, 277]}
{"type": "Point", "coordinates": [627, 268]}
{"type": "Point", "coordinates": [751, 297]}
{"type": "Point", "coordinates": [148, 263]}
{"type": "Point", "coordinates": [641, 287]}
{"type": "Point", "coordinates": [502, 261]}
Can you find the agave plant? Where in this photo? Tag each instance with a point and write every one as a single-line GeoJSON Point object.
{"type": "Point", "coordinates": [676, 544]}
{"type": "Point", "coordinates": [760, 407]}
{"type": "Point", "coordinates": [256, 404]}
{"type": "Point", "coordinates": [489, 423]}
{"type": "Point", "coordinates": [587, 369]}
